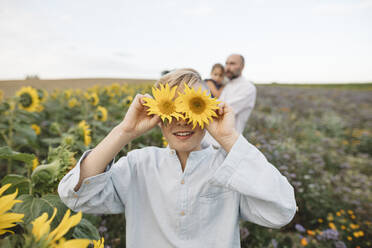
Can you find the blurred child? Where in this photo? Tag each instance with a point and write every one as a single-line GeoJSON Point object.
{"type": "Point", "coordinates": [216, 82]}
{"type": "Point", "coordinates": [181, 195]}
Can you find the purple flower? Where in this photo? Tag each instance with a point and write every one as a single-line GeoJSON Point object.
{"type": "Point", "coordinates": [328, 234]}
{"type": "Point", "coordinates": [300, 228]}
{"type": "Point", "coordinates": [274, 243]}
{"type": "Point", "coordinates": [340, 244]}
{"type": "Point", "coordinates": [244, 233]}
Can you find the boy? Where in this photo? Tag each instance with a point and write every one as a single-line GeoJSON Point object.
{"type": "Point", "coordinates": [182, 195]}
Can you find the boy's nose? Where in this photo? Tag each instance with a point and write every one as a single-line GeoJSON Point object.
{"type": "Point", "coordinates": [181, 122]}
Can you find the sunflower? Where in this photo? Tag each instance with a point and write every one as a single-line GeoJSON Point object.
{"type": "Point", "coordinates": [41, 230]}
{"type": "Point", "coordinates": [92, 98]}
{"type": "Point", "coordinates": [36, 128]}
{"type": "Point", "coordinates": [42, 94]}
{"type": "Point", "coordinates": [101, 114]}
{"type": "Point", "coordinates": [73, 102]}
{"type": "Point", "coordinates": [163, 104]}
{"type": "Point", "coordinates": [127, 101]}
{"type": "Point", "coordinates": [28, 99]}
{"type": "Point", "coordinates": [99, 243]}
{"type": "Point", "coordinates": [35, 163]}
{"type": "Point", "coordinates": [198, 107]}
{"type": "Point", "coordinates": [84, 127]}
{"type": "Point", "coordinates": [8, 220]}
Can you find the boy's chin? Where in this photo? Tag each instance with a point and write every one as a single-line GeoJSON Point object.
{"type": "Point", "coordinates": [184, 147]}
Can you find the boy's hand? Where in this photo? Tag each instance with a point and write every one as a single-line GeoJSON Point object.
{"type": "Point", "coordinates": [222, 128]}
{"type": "Point", "coordinates": [136, 121]}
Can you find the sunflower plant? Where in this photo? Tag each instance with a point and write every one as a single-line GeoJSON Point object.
{"type": "Point", "coordinates": [7, 219]}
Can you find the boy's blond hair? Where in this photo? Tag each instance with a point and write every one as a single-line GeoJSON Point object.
{"type": "Point", "coordinates": [178, 77]}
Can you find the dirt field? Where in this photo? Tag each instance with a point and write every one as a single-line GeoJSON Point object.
{"type": "Point", "coordinates": [11, 86]}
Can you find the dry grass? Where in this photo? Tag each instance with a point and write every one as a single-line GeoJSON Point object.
{"type": "Point", "coordinates": [11, 86]}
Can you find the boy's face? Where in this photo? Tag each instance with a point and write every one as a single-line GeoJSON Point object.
{"type": "Point", "coordinates": [181, 136]}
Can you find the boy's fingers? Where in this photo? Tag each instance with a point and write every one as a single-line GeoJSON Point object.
{"type": "Point", "coordinates": [221, 108]}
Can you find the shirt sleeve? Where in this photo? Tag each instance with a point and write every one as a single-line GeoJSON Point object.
{"type": "Point", "coordinates": [99, 194]}
{"type": "Point", "coordinates": [243, 98]}
{"type": "Point", "coordinates": [266, 196]}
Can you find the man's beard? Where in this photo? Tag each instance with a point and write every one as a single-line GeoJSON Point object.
{"type": "Point", "coordinates": [233, 75]}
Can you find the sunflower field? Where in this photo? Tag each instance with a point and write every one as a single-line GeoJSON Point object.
{"type": "Point", "coordinates": [320, 139]}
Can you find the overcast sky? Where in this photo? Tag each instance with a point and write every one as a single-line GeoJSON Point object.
{"type": "Point", "coordinates": [283, 41]}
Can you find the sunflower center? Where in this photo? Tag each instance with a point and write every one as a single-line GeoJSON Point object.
{"type": "Point", "coordinates": [99, 115]}
{"type": "Point", "coordinates": [166, 107]}
{"type": "Point", "coordinates": [26, 100]}
{"type": "Point", "coordinates": [197, 105]}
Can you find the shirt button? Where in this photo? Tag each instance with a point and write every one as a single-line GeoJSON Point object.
{"type": "Point", "coordinates": [86, 182]}
{"type": "Point", "coordinates": [183, 181]}
{"type": "Point", "coordinates": [75, 195]}
{"type": "Point", "coordinates": [172, 152]}
{"type": "Point", "coordinates": [182, 213]}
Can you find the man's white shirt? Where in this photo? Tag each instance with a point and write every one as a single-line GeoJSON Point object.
{"type": "Point", "coordinates": [240, 94]}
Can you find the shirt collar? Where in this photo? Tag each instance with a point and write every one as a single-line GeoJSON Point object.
{"type": "Point", "coordinates": [194, 154]}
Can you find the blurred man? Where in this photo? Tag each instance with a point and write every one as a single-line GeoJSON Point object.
{"type": "Point", "coordinates": [239, 93]}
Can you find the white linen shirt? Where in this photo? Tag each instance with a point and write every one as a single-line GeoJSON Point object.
{"type": "Point", "coordinates": [198, 207]}
{"type": "Point", "coordinates": [240, 94]}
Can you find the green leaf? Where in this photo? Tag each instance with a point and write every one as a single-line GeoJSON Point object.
{"type": "Point", "coordinates": [25, 132]}
{"type": "Point", "coordinates": [7, 153]}
{"type": "Point", "coordinates": [51, 141]}
{"type": "Point", "coordinates": [86, 230]}
{"type": "Point", "coordinates": [17, 181]}
{"type": "Point", "coordinates": [32, 207]}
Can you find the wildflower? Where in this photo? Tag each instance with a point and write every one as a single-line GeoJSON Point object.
{"type": "Point", "coordinates": [36, 128]}
{"type": "Point", "coordinates": [320, 220]}
{"type": "Point", "coordinates": [8, 220]}
{"type": "Point", "coordinates": [311, 233]}
{"type": "Point", "coordinates": [330, 217]}
{"type": "Point", "coordinates": [343, 227]}
{"type": "Point", "coordinates": [354, 226]}
{"type": "Point", "coordinates": [35, 163]}
{"type": "Point", "coordinates": [300, 228]}
{"type": "Point", "coordinates": [101, 114]}
{"type": "Point", "coordinates": [84, 127]}
{"type": "Point", "coordinates": [349, 238]}
{"type": "Point", "coordinates": [198, 107]}
{"type": "Point", "coordinates": [304, 242]}
{"type": "Point", "coordinates": [28, 99]}
{"type": "Point", "coordinates": [163, 104]}
{"type": "Point", "coordinates": [332, 226]}
{"type": "Point", "coordinates": [340, 244]}
{"type": "Point", "coordinates": [350, 212]}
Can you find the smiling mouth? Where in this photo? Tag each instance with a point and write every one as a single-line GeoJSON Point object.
{"type": "Point", "coordinates": [183, 134]}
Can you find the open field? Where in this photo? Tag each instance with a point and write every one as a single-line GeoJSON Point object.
{"type": "Point", "coordinates": [319, 138]}
{"type": "Point", "coordinates": [9, 87]}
